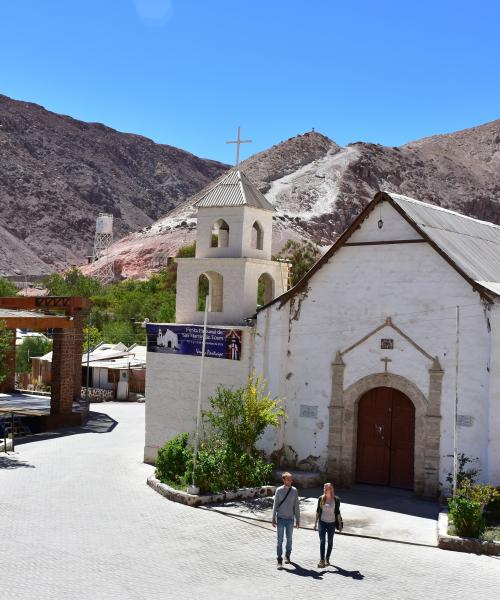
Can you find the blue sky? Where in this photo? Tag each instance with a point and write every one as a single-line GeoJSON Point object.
{"type": "Point", "coordinates": [188, 72]}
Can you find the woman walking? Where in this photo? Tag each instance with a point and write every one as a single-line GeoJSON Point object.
{"type": "Point", "coordinates": [327, 516]}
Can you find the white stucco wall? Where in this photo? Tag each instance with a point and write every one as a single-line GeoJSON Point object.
{"type": "Point", "coordinates": [240, 220]}
{"type": "Point", "coordinates": [240, 282]}
{"type": "Point", "coordinates": [172, 390]}
{"type": "Point", "coordinates": [348, 298]}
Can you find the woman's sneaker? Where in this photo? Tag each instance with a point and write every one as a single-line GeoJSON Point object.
{"type": "Point", "coordinates": [321, 564]}
{"type": "Point", "coordinates": [287, 560]}
{"type": "Point", "coordinates": [280, 563]}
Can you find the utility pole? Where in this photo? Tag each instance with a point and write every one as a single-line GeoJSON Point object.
{"type": "Point", "coordinates": [194, 489]}
{"type": "Point", "coordinates": [89, 325]}
{"type": "Point", "coordinates": [455, 425]}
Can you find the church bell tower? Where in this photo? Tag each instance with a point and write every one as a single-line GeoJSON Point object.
{"type": "Point", "coordinates": [233, 256]}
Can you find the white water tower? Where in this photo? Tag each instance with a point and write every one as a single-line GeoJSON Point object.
{"type": "Point", "coordinates": [102, 241]}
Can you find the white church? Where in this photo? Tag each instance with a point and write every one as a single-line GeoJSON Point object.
{"type": "Point", "coordinates": [384, 352]}
{"type": "Point", "coordinates": [167, 339]}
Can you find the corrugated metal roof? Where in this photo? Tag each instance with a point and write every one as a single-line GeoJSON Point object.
{"type": "Point", "coordinates": [473, 245]}
{"type": "Point", "coordinates": [234, 190]}
{"type": "Point", "coordinates": [123, 363]}
{"type": "Point", "coordinates": [12, 313]}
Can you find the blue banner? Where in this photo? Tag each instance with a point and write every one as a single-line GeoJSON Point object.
{"type": "Point", "coordinates": [187, 339]}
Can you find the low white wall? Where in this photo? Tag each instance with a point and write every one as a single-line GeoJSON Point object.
{"type": "Point", "coordinates": [172, 390]}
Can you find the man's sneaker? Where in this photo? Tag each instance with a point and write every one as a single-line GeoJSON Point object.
{"type": "Point", "coordinates": [321, 564]}
{"type": "Point", "coordinates": [327, 562]}
{"type": "Point", "coordinates": [280, 563]}
{"type": "Point", "coordinates": [287, 560]}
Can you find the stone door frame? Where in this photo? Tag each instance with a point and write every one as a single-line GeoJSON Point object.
{"type": "Point", "coordinates": [343, 423]}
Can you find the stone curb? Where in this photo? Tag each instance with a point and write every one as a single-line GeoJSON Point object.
{"type": "Point", "coordinates": [462, 544]}
{"type": "Point", "coordinates": [193, 500]}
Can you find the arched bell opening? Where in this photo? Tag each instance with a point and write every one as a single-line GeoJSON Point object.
{"type": "Point", "coordinates": [220, 234]}
{"type": "Point", "coordinates": [257, 242]}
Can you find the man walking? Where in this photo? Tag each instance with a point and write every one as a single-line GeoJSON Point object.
{"type": "Point", "coordinates": [286, 510]}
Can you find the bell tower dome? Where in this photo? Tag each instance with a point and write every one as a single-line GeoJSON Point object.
{"type": "Point", "coordinates": [233, 252]}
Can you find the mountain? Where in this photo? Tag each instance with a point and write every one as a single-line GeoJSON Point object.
{"type": "Point", "coordinates": [57, 174]}
{"type": "Point", "coordinates": [318, 187]}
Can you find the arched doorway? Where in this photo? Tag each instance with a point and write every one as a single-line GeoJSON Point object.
{"type": "Point", "coordinates": [386, 438]}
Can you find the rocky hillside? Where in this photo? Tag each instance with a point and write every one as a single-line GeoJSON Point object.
{"type": "Point", "coordinates": [318, 187]}
{"type": "Point", "coordinates": [57, 174]}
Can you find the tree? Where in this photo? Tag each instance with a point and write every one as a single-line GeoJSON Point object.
{"type": "Point", "coordinates": [7, 288]}
{"type": "Point", "coordinates": [302, 256]}
{"type": "Point", "coordinates": [31, 346]}
{"type": "Point", "coordinates": [72, 283]}
{"type": "Point", "coordinates": [5, 349]}
{"type": "Point", "coordinates": [239, 416]}
{"type": "Point", "coordinates": [96, 337]}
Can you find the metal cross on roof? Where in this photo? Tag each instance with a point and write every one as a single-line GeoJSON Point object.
{"type": "Point", "coordinates": [238, 141]}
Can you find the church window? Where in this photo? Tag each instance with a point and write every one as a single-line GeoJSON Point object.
{"type": "Point", "coordinates": [220, 234]}
{"type": "Point", "coordinates": [210, 283]}
{"type": "Point", "coordinates": [257, 236]}
{"type": "Point", "coordinates": [265, 289]}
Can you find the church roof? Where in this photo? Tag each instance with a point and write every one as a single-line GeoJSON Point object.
{"type": "Point", "coordinates": [235, 189]}
{"type": "Point", "coordinates": [470, 246]}
{"type": "Point", "coordinates": [473, 245]}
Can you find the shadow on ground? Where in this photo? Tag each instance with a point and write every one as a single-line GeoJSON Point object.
{"type": "Point", "coordinates": [390, 499]}
{"type": "Point", "coordinates": [315, 574]}
{"type": "Point", "coordinates": [366, 496]}
{"type": "Point", "coordinates": [256, 507]}
{"type": "Point", "coordinates": [6, 462]}
{"type": "Point", "coordinates": [96, 423]}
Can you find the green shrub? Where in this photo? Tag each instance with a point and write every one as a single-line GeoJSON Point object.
{"type": "Point", "coordinates": [211, 474]}
{"type": "Point", "coordinates": [227, 457]}
{"type": "Point", "coordinates": [254, 471]}
{"type": "Point", "coordinates": [219, 468]}
{"type": "Point", "coordinates": [240, 416]}
{"type": "Point", "coordinates": [467, 516]}
{"type": "Point", "coordinates": [482, 493]}
{"type": "Point", "coordinates": [174, 459]}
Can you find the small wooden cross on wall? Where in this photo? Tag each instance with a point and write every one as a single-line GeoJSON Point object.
{"type": "Point", "coordinates": [238, 141]}
{"type": "Point", "coordinates": [386, 361]}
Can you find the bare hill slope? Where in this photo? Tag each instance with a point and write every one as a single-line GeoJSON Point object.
{"type": "Point", "coordinates": [58, 173]}
{"type": "Point", "coordinates": [318, 187]}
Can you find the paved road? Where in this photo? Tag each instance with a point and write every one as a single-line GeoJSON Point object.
{"type": "Point", "coordinates": [79, 522]}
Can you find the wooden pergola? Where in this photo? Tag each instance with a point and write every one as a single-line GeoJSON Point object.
{"type": "Point", "coordinates": [65, 316]}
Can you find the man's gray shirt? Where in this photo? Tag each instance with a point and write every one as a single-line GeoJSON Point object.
{"type": "Point", "coordinates": [289, 508]}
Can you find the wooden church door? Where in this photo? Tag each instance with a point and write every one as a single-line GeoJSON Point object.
{"type": "Point", "coordinates": [386, 438]}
